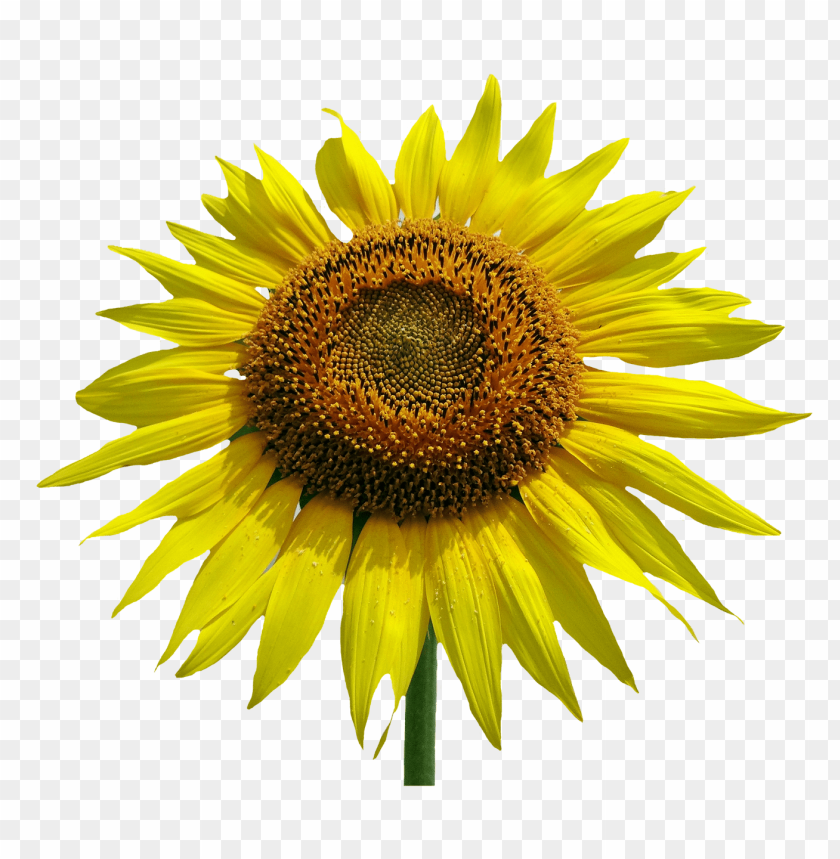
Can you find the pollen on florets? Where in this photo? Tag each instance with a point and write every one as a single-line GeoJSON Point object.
{"type": "Point", "coordinates": [419, 368]}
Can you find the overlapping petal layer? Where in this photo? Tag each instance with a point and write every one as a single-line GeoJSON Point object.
{"type": "Point", "coordinates": [248, 213]}
{"type": "Point", "coordinates": [230, 258]}
{"type": "Point", "coordinates": [574, 523]}
{"type": "Point", "coordinates": [465, 612]}
{"type": "Point", "coordinates": [625, 460]}
{"type": "Point", "coordinates": [309, 573]}
{"type": "Point", "coordinates": [601, 241]}
{"type": "Point", "coordinates": [526, 619]}
{"type": "Point", "coordinates": [235, 563]}
{"type": "Point", "coordinates": [195, 490]}
{"type": "Point", "coordinates": [377, 618]}
{"type": "Point", "coordinates": [182, 280]}
{"type": "Point", "coordinates": [523, 166]}
{"type": "Point", "coordinates": [353, 184]}
{"type": "Point", "coordinates": [549, 205]}
{"type": "Point", "coordinates": [188, 538]}
{"type": "Point", "coordinates": [467, 176]}
{"type": "Point", "coordinates": [639, 531]}
{"type": "Point", "coordinates": [572, 598]}
{"type": "Point", "coordinates": [155, 443]}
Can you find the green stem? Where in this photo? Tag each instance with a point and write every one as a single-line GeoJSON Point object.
{"type": "Point", "coordinates": [420, 705]}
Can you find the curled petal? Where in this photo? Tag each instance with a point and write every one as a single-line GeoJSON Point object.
{"type": "Point", "coordinates": [353, 184]}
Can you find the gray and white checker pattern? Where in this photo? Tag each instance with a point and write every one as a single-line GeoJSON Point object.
{"type": "Point", "coordinates": [112, 114]}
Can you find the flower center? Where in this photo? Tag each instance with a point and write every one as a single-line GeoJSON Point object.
{"type": "Point", "coordinates": [419, 368]}
{"type": "Point", "coordinates": [416, 346]}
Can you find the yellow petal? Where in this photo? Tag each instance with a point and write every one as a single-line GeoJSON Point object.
{"type": "Point", "coordinates": [603, 240]}
{"type": "Point", "coordinates": [248, 214]}
{"type": "Point", "coordinates": [235, 563]}
{"type": "Point", "coordinates": [638, 275]}
{"type": "Point", "coordinates": [549, 205]}
{"type": "Point", "coordinates": [186, 321]}
{"type": "Point", "coordinates": [297, 212]}
{"type": "Point", "coordinates": [637, 528]}
{"type": "Point", "coordinates": [527, 623]}
{"type": "Point", "coordinates": [625, 460]}
{"type": "Point", "coordinates": [189, 538]}
{"type": "Point", "coordinates": [310, 568]}
{"type": "Point", "coordinates": [416, 620]}
{"type": "Point", "coordinates": [468, 174]}
{"type": "Point", "coordinates": [419, 165]}
{"type": "Point", "coordinates": [520, 168]}
{"type": "Point", "coordinates": [673, 338]}
{"type": "Point", "coordinates": [465, 613]}
{"type": "Point", "coordinates": [195, 490]}
{"type": "Point", "coordinates": [211, 359]}
{"type": "Point", "coordinates": [233, 259]}
{"type": "Point", "coordinates": [351, 181]}
{"type": "Point", "coordinates": [221, 635]}
{"type": "Point", "coordinates": [657, 405]}
{"type": "Point", "coordinates": [624, 309]}
{"type": "Point", "coordinates": [572, 598]}
{"type": "Point", "coordinates": [576, 527]}
{"type": "Point", "coordinates": [413, 530]}
{"type": "Point", "coordinates": [150, 396]}
{"type": "Point", "coordinates": [183, 280]}
{"type": "Point", "coordinates": [167, 440]}
{"type": "Point", "coordinates": [376, 614]}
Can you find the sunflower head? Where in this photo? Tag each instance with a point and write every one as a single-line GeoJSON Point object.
{"type": "Point", "coordinates": [418, 368]}
{"type": "Point", "coordinates": [412, 414]}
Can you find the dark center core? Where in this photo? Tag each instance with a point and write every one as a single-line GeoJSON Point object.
{"type": "Point", "coordinates": [416, 346]}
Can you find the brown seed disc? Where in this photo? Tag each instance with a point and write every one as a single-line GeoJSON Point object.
{"type": "Point", "coordinates": [419, 368]}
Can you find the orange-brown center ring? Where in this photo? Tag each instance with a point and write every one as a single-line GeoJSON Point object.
{"type": "Point", "coordinates": [419, 368]}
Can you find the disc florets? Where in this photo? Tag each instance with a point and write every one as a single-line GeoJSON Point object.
{"type": "Point", "coordinates": [419, 368]}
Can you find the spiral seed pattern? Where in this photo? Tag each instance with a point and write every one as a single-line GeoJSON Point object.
{"type": "Point", "coordinates": [419, 368]}
{"type": "Point", "coordinates": [417, 346]}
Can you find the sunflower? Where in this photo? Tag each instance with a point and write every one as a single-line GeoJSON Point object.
{"type": "Point", "coordinates": [420, 394]}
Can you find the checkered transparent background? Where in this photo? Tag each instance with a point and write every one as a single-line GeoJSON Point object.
{"type": "Point", "coordinates": [111, 117]}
